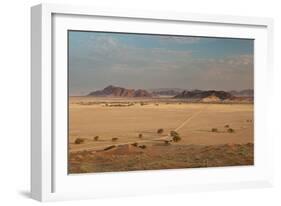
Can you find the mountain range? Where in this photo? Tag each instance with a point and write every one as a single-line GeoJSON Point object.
{"type": "Point", "coordinates": [200, 95]}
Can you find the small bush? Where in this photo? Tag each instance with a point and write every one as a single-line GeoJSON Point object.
{"type": "Point", "coordinates": [174, 133]}
{"type": "Point", "coordinates": [109, 147]}
{"type": "Point", "coordinates": [230, 130]}
{"type": "Point", "coordinates": [114, 139]}
{"type": "Point", "coordinates": [140, 136]}
{"type": "Point", "coordinates": [96, 138]}
{"type": "Point", "coordinates": [142, 146]}
{"type": "Point", "coordinates": [160, 131]}
{"type": "Point", "coordinates": [226, 126]}
{"type": "Point", "coordinates": [214, 130]}
{"type": "Point", "coordinates": [135, 144]}
{"type": "Point", "coordinates": [176, 138]}
{"type": "Point", "coordinates": [79, 141]}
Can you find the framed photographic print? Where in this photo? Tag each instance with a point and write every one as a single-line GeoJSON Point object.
{"type": "Point", "coordinates": [136, 102]}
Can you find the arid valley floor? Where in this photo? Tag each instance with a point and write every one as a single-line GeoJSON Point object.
{"type": "Point", "coordinates": [125, 134]}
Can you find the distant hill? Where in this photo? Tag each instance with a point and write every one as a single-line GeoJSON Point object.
{"type": "Point", "coordinates": [113, 91]}
{"type": "Point", "coordinates": [243, 93]}
{"type": "Point", "coordinates": [166, 91]}
{"type": "Point", "coordinates": [205, 96]}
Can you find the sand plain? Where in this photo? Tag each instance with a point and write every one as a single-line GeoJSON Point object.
{"type": "Point", "coordinates": [200, 125]}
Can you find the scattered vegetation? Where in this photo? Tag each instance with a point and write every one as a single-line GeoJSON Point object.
{"type": "Point", "coordinates": [142, 103]}
{"type": "Point", "coordinates": [160, 131]}
{"type": "Point", "coordinates": [140, 135]}
{"type": "Point", "coordinates": [135, 144]}
{"type": "Point", "coordinates": [174, 133]}
{"type": "Point", "coordinates": [226, 126]}
{"type": "Point", "coordinates": [79, 141]}
{"type": "Point", "coordinates": [142, 146]}
{"type": "Point", "coordinates": [214, 130]}
{"type": "Point", "coordinates": [119, 104]}
{"type": "Point", "coordinates": [109, 147]}
{"type": "Point", "coordinates": [96, 138]}
{"type": "Point", "coordinates": [230, 130]}
{"type": "Point", "coordinates": [114, 139]}
{"type": "Point", "coordinates": [176, 136]}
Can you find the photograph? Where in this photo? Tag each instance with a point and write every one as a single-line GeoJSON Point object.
{"type": "Point", "coordinates": [140, 101]}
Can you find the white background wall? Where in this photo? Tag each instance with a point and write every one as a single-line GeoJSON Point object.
{"type": "Point", "coordinates": [15, 95]}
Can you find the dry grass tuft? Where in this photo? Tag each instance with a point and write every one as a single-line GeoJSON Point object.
{"type": "Point", "coordinates": [230, 130]}
{"type": "Point", "coordinates": [214, 130]}
{"type": "Point", "coordinates": [135, 144]}
{"type": "Point", "coordinates": [160, 131]}
{"type": "Point", "coordinates": [114, 139]}
{"type": "Point", "coordinates": [142, 146]}
{"type": "Point", "coordinates": [79, 141]}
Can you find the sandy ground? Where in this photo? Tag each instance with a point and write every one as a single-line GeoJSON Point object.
{"type": "Point", "coordinates": [161, 156]}
{"type": "Point", "coordinates": [109, 118]}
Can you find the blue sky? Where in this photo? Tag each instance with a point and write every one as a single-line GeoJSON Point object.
{"type": "Point", "coordinates": [99, 59]}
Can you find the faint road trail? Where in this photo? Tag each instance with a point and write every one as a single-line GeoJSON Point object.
{"type": "Point", "coordinates": [184, 123]}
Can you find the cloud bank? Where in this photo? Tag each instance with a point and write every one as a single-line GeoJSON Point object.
{"type": "Point", "coordinates": [142, 61]}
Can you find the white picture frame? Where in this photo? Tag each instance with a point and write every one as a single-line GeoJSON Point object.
{"type": "Point", "coordinates": [49, 178]}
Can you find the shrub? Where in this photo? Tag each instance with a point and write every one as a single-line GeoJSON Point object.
{"type": "Point", "coordinates": [176, 138]}
{"type": "Point", "coordinates": [135, 144]}
{"type": "Point", "coordinates": [114, 139]}
{"type": "Point", "coordinates": [142, 146]}
{"type": "Point", "coordinates": [109, 147]}
{"type": "Point", "coordinates": [79, 141]}
{"type": "Point", "coordinates": [230, 130]}
{"type": "Point", "coordinates": [140, 136]}
{"type": "Point", "coordinates": [174, 133]}
{"type": "Point", "coordinates": [96, 138]}
{"type": "Point", "coordinates": [214, 130]}
{"type": "Point", "coordinates": [226, 126]}
{"type": "Point", "coordinates": [160, 131]}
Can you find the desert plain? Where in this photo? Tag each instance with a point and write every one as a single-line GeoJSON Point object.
{"type": "Point", "coordinates": [126, 134]}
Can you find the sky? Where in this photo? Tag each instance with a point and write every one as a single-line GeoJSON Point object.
{"type": "Point", "coordinates": [144, 61]}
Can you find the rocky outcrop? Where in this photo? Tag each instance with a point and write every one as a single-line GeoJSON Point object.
{"type": "Point", "coordinates": [200, 95]}
{"type": "Point", "coordinates": [113, 91]}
